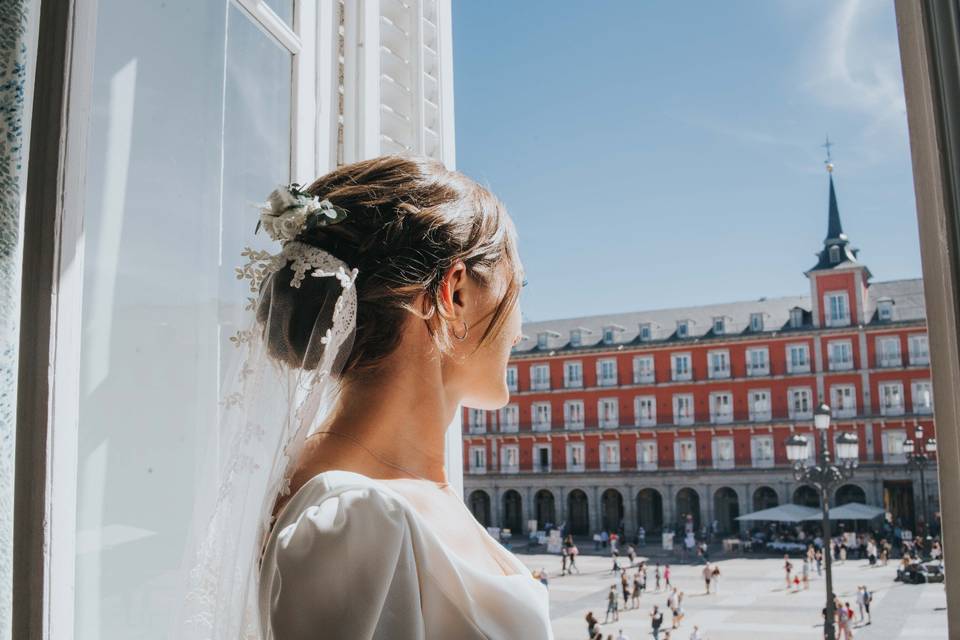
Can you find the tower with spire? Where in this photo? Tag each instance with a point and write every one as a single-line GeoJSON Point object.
{"type": "Point", "coordinates": [838, 281]}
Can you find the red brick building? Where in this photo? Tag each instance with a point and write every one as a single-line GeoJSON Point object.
{"type": "Point", "coordinates": [637, 419]}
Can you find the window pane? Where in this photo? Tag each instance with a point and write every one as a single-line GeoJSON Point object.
{"type": "Point", "coordinates": [180, 149]}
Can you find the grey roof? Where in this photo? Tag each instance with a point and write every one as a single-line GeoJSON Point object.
{"type": "Point", "coordinates": [906, 294]}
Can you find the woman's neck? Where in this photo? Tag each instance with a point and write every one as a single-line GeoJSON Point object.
{"type": "Point", "coordinates": [400, 414]}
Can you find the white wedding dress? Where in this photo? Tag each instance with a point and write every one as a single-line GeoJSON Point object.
{"type": "Point", "coordinates": [349, 557]}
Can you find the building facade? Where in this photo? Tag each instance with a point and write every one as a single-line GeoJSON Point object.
{"type": "Point", "coordinates": [641, 419]}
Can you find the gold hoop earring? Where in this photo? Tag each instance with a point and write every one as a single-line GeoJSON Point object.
{"type": "Point", "coordinates": [464, 336]}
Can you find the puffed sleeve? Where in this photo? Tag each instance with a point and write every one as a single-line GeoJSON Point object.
{"type": "Point", "coordinates": [345, 568]}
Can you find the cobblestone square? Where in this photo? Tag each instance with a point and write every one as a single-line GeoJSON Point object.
{"type": "Point", "coordinates": [752, 601]}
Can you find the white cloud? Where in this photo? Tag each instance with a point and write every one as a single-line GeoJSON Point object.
{"type": "Point", "coordinates": [855, 66]}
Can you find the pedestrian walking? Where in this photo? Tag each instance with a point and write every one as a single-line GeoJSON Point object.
{"type": "Point", "coordinates": [787, 569]}
{"type": "Point", "coordinates": [806, 574]}
{"type": "Point", "coordinates": [592, 624]}
{"type": "Point", "coordinates": [666, 576]}
{"type": "Point", "coordinates": [819, 559]}
{"type": "Point", "coordinates": [656, 577]}
{"type": "Point", "coordinates": [637, 588]}
{"type": "Point", "coordinates": [867, 599]}
{"type": "Point", "coordinates": [612, 605]}
{"type": "Point", "coordinates": [716, 579]}
{"type": "Point", "coordinates": [656, 619]}
{"type": "Point", "coordinates": [625, 586]}
{"type": "Point", "coordinates": [707, 577]}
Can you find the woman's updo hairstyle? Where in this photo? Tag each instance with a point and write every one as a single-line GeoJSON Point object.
{"type": "Point", "coordinates": [409, 219]}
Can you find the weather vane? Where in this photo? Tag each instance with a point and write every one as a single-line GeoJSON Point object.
{"type": "Point", "coordinates": [829, 160]}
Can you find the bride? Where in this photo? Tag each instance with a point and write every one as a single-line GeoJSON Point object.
{"type": "Point", "coordinates": [393, 300]}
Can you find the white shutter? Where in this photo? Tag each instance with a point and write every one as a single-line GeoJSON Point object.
{"type": "Point", "coordinates": [398, 89]}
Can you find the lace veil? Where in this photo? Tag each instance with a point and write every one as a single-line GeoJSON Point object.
{"type": "Point", "coordinates": [276, 392]}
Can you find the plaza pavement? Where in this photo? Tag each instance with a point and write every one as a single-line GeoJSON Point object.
{"type": "Point", "coordinates": [752, 602]}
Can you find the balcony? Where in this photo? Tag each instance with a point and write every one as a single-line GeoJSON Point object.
{"type": "Point", "coordinates": [683, 420]}
{"type": "Point", "coordinates": [799, 368]}
{"type": "Point", "coordinates": [755, 370]}
{"type": "Point", "coordinates": [760, 415]}
{"type": "Point", "coordinates": [919, 359]}
{"type": "Point", "coordinates": [724, 417]}
{"type": "Point", "coordinates": [477, 470]}
{"type": "Point", "coordinates": [575, 383]}
{"type": "Point", "coordinates": [723, 463]}
{"type": "Point", "coordinates": [647, 465]}
{"type": "Point", "coordinates": [540, 385]}
{"type": "Point", "coordinates": [541, 468]}
{"type": "Point", "coordinates": [719, 373]}
{"type": "Point", "coordinates": [844, 412]}
{"type": "Point", "coordinates": [891, 409]}
{"type": "Point", "coordinates": [607, 381]}
{"type": "Point", "coordinates": [686, 465]}
{"type": "Point", "coordinates": [643, 377]}
{"type": "Point", "coordinates": [610, 466]}
{"type": "Point", "coordinates": [837, 364]}
{"type": "Point", "coordinates": [889, 361]}
{"type": "Point", "coordinates": [540, 426]}
{"type": "Point", "coordinates": [510, 468]}
{"type": "Point", "coordinates": [763, 462]}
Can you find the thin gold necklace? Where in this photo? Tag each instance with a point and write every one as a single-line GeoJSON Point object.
{"type": "Point", "coordinates": [381, 458]}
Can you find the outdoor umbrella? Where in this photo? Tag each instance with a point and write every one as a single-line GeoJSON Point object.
{"type": "Point", "coordinates": [783, 513]}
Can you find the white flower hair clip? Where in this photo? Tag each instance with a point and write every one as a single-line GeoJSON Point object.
{"type": "Point", "coordinates": [290, 211]}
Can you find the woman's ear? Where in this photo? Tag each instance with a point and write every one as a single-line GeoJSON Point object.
{"type": "Point", "coordinates": [454, 287]}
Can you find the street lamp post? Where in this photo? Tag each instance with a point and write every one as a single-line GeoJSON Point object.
{"type": "Point", "coordinates": [919, 453]}
{"type": "Point", "coordinates": [824, 475]}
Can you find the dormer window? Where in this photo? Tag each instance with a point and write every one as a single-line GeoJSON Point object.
{"type": "Point", "coordinates": [834, 254]}
{"type": "Point", "coordinates": [756, 322]}
{"type": "Point", "coordinates": [718, 326]}
{"type": "Point", "coordinates": [646, 332]}
{"type": "Point", "coordinates": [576, 337]}
{"type": "Point", "coordinates": [683, 329]}
{"type": "Point", "coordinates": [608, 335]}
{"type": "Point", "coordinates": [885, 309]}
{"type": "Point", "coordinates": [796, 318]}
{"type": "Point", "coordinates": [542, 340]}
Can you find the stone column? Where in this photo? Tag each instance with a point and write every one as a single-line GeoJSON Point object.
{"type": "Point", "coordinates": [629, 512]}
{"type": "Point", "coordinates": [596, 510]}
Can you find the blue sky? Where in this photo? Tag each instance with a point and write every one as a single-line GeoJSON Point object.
{"type": "Point", "coordinates": [661, 154]}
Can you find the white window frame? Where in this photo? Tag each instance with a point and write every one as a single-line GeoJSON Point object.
{"type": "Point", "coordinates": [687, 399]}
{"type": "Point", "coordinates": [476, 420]}
{"type": "Point", "coordinates": [891, 443]}
{"type": "Point", "coordinates": [608, 413]}
{"type": "Point", "coordinates": [799, 347]}
{"type": "Point", "coordinates": [754, 370]}
{"type": "Point", "coordinates": [885, 311]}
{"type": "Point", "coordinates": [793, 411]}
{"type": "Point", "coordinates": [683, 329]}
{"type": "Point", "coordinates": [571, 464]}
{"type": "Point", "coordinates": [574, 413]}
{"type": "Point", "coordinates": [832, 319]}
{"type": "Point", "coordinates": [764, 412]}
{"type": "Point", "coordinates": [505, 464]}
{"type": "Point", "coordinates": [646, 332]}
{"type": "Point", "coordinates": [540, 416]}
{"type": "Point", "coordinates": [642, 418]}
{"type": "Point", "coordinates": [681, 374]}
{"type": "Point", "coordinates": [644, 374]}
{"type": "Point", "coordinates": [609, 455]}
{"type": "Point", "coordinates": [890, 389]}
{"type": "Point", "coordinates": [576, 337]}
{"type": "Point", "coordinates": [756, 322]}
{"type": "Point", "coordinates": [719, 325]}
{"type": "Point", "coordinates": [888, 358]}
{"type": "Point", "coordinates": [540, 377]}
{"type": "Point", "coordinates": [609, 380]}
{"type": "Point", "coordinates": [724, 452]}
{"type": "Point", "coordinates": [512, 379]}
{"type": "Point", "coordinates": [838, 405]}
{"type": "Point", "coordinates": [571, 381]}
{"type": "Point", "coordinates": [916, 390]}
{"type": "Point", "coordinates": [510, 418]}
{"type": "Point", "coordinates": [724, 400]}
{"type": "Point", "coordinates": [918, 345]}
{"type": "Point", "coordinates": [714, 371]}
{"type": "Point", "coordinates": [682, 447]}
{"type": "Point", "coordinates": [762, 444]}
{"type": "Point", "coordinates": [646, 455]}
{"type": "Point", "coordinates": [478, 459]}
{"type": "Point", "coordinates": [796, 318]}
{"type": "Point", "coordinates": [835, 363]}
